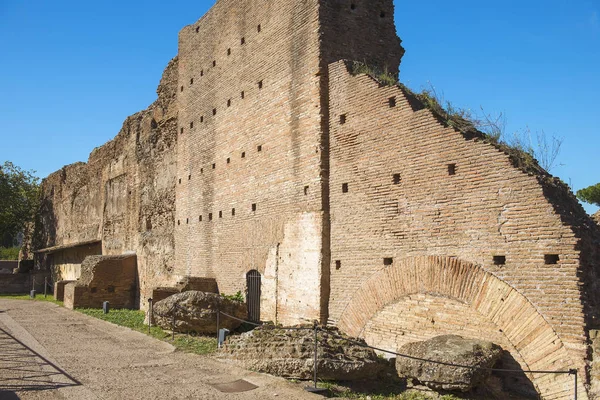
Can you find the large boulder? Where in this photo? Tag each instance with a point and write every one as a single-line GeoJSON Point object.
{"type": "Point", "coordinates": [289, 353]}
{"type": "Point", "coordinates": [451, 349]}
{"type": "Point", "coordinates": [196, 311]}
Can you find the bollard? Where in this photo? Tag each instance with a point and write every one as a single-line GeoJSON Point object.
{"type": "Point", "coordinates": [105, 307]}
{"type": "Point", "coordinates": [33, 284]}
{"type": "Point", "coordinates": [149, 314]}
{"type": "Point", "coordinates": [218, 320]}
{"type": "Point", "coordinates": [32, 294]}
{"type": "Point", "coordinates": [223, 333]}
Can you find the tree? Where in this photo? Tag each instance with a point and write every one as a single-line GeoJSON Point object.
{"type": "Point", "coordinates": [19, 201]}
{"type": "Point", "coordinates": [590, 194]}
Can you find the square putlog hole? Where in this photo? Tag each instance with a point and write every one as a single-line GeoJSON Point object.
{"type": "Point", "coordinates": [253, 206]}
{"type": "Point", "coordinates": [451, 169]}
{"type": "Point", "coordinates": [338, 264]}
{"type": "Point", "coordinates": [551, 259]}
{"type": "Point", "coordinates": [499, 260]}
{"type": "Point", "coordinates": [396, 179]}
{"type": "Point", "coordinates": [344, 188]}
{"type": "Point", "coordinates": [342, 119]}
{"type": "Point", "coordinates": [388, 261]}
{"type": "Point", "coordinates": [392, 102]}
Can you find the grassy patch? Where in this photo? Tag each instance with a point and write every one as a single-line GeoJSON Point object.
{"type": "Point", "coordinates": [38, 297]}
{"type": "Point", "coordinates": [384, 77]}
{"type": "Point", "coordinates": [134, 319]}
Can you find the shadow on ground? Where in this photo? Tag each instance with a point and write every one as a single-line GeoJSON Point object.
{"type": "Point", "coordinates": [23, 369]}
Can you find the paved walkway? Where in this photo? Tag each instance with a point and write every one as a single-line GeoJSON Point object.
{"type": "Point", "coordinates": [49, 352]}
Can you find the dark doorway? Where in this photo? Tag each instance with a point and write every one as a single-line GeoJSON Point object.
{"type": "Point", "coordinates": [253, 295]}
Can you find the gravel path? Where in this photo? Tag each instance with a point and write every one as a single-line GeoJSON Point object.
{"type": "Point", "coordinates": [49, 352]}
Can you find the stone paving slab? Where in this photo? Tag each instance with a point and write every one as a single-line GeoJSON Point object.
{"type": "Point", "coordinates": [49, 352]}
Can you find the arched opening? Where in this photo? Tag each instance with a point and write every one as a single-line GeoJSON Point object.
{"type": "Point", "coordinates": [253, 285]}
{"type": "Point", "coordinates": [470, 289]}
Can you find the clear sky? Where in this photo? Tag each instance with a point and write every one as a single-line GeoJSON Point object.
{"type": "Point", "coordinates": [72, 71]}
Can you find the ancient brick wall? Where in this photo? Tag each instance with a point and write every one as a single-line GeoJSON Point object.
{"type": "Point", "coordinates": [252, 146]}
{"type": "Point", "coordinates": [403, 184]}
{"type": "Point", "coordinates": [123, 196]}
{"type": "Point", "coordinates": [104, 278]}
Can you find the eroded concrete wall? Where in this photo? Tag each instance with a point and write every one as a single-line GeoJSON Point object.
{"type": "Point", "coordinates": [123, 196]}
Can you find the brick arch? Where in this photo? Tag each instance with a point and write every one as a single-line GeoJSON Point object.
{"type": "Point", "coordinates": [529, 333]}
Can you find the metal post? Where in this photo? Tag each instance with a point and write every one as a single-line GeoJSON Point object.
{"type": "Point", "coordinates": [574, 373]}
{"type": "Point", "coordinates": [45, 286]}
{"type": "Point", "coordinates": [316, 354]}
{"type": "Point", "coordinates": [149, 314]}
{"type": "Point", "coordinates": [218, 322]}
{"type": "Point", "coordinates": [173, 326]}
{"type": "Point", "coordinates": [33, 283]}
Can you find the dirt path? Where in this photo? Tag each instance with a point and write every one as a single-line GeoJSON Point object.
{"type": "Point", "coordinates": [49, 352]}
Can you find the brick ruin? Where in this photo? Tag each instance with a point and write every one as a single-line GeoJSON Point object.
{"type": "Point", "coordinates": [353, 202]}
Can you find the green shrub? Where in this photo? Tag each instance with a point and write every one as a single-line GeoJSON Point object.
{"type": "Point", "coordinates": [9, 253]}
{"type": "Point", "coordinates": [235, 297]}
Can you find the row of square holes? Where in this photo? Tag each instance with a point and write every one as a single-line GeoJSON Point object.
{"type": "Point", "coordinates": [214, 63]}
{"type": "Point", "coordinates": [258, 29]}
{"type": "Point", "coordinates": [260, 85]}
{"type": "Point", "coordinates": [391, 103]}
{"type": "Point", "coordinates": [549, 259]}
{"type": "Point", "coordinates": [210, 215]}
{"type": "Point", "coordinates": [396, 179]}
{"type": "Point", "coordinates": [228, 161]}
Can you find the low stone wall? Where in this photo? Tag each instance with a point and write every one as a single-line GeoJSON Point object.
{"type": "Point", "coordinates": [289, 352]}
{"type": "Point", "coordinates": [22, 283]}
{"type": "Point", "coordinates": [104, 278]}
{"type": "Point", "coordinates": [7, 266]}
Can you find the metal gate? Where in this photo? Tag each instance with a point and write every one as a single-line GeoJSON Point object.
{"type": "Point", "coordinates": [253, 295]}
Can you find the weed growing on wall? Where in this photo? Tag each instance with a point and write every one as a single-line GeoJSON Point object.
{"type": "Point", "coordinates": [532, 153]}
{"type": "Point", "coordinates": [235, 297]}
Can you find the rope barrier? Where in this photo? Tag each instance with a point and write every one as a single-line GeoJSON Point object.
{"type": "Point", "coordinates": [570, 372]}
{"type": "Point", "coordinates": [364, 345]}
{"type": "Point", "coordinates": [266, 326]}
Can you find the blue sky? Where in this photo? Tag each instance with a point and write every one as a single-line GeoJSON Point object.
{"type": "Point", "coordinates": [72, 71]}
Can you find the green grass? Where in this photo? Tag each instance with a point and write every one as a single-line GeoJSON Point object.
{"type": "Point", "coordinates": [9, 253]}
{"type": "Point", "coordinates": [134, 319]}
{"type": "Point", "coordinates": [38, 297]}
